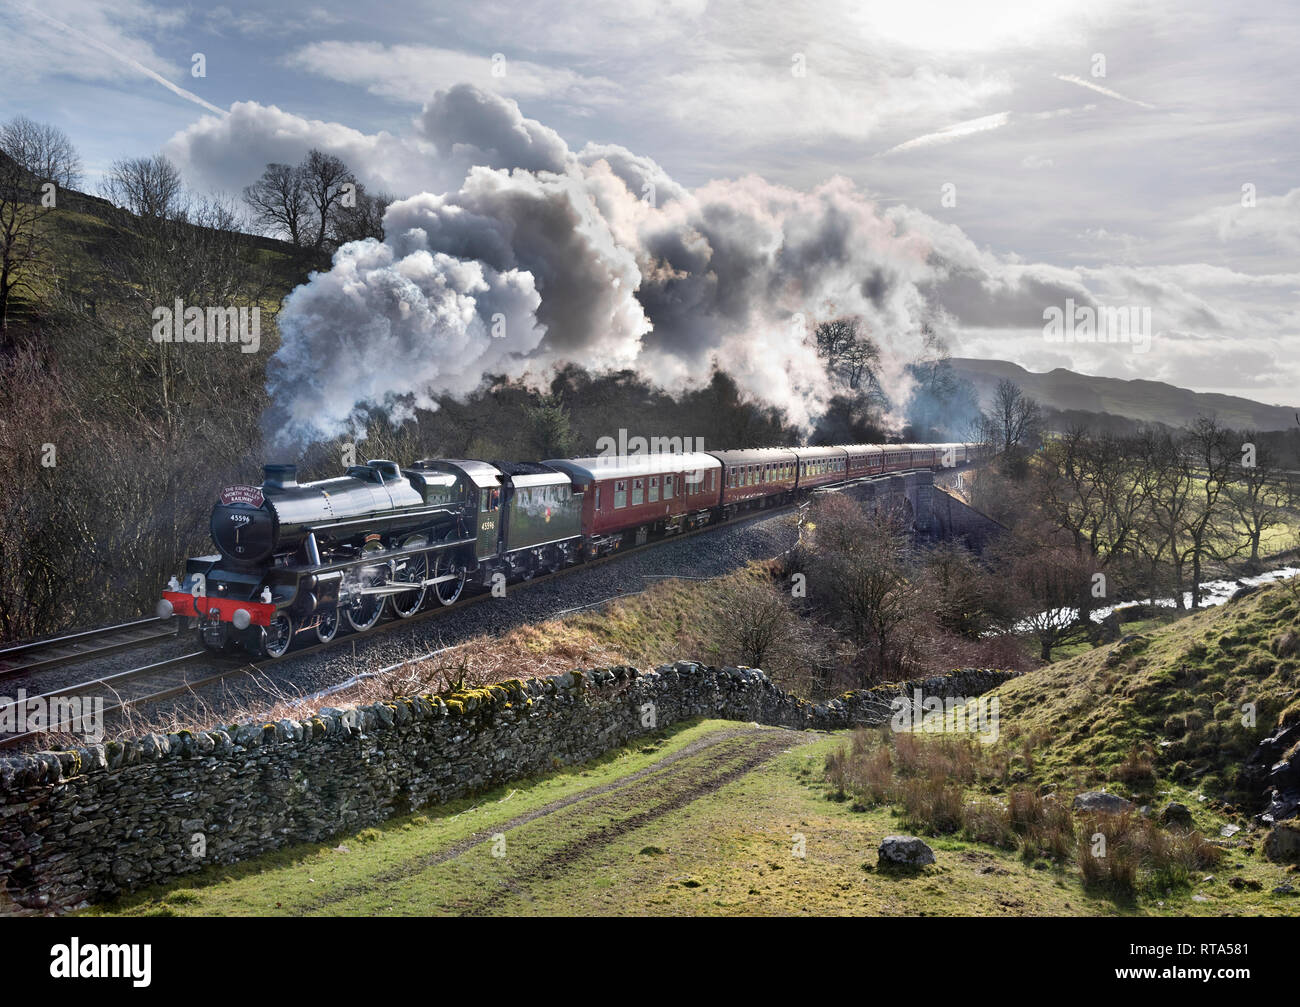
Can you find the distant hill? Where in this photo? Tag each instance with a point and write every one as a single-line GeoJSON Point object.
{"type": "Point", "coordinates": [1147, 401]}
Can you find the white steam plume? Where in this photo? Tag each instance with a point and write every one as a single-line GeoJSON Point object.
{"type": "Point", "coordinates": [545, 256]}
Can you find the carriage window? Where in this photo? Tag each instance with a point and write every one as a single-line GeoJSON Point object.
{"type": "Point", "coordinates": [668, 487]}
{"type": "Point", "coordinates": [638, 492]}
{"type": "Point", "coordinates": [620, 494]}
{"type": "Point", "coordinates": [712, 483]}
{"type": "Point", "coordinates": [654, 489]}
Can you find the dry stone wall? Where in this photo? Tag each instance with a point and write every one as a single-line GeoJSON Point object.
{"type": "Point", "coordinates": [92, 822]}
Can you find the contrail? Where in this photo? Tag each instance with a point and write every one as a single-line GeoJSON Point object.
{"type": "Point", "coordinates": [1073, 79]}
{"type": "Point", "coordinates": [175, 89]}
{"type": "Point", "coordinates": [954, 132]}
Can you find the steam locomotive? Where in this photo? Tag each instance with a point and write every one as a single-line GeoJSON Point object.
{"type": "Point", "coordinates": [302, 557]}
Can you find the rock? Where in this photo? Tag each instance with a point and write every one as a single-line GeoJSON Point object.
{"type": "Point", "coordinates": [1274, 767]}
{"type": "Point", "coordinates": [1282, 845]}
{"type": "Point", "coordinates": [904, 851]}
{"type": "Point", "coordinates": [1285, 888]}
{"type": "Point", "coordinates": [1099, 800]}
{"type": "Point", "coordinates": [1178, 815]}
{"type": "Point", "coordinates": [1229, 830]}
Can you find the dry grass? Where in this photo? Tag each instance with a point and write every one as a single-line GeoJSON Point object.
{"type": "Point", "coordinates": [934, 782]}
{"type": "Point", "coordinates": [1113, 849]}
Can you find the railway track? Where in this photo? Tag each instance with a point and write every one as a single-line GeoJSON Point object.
{"type": "Point", "coordinates": [72, 647]}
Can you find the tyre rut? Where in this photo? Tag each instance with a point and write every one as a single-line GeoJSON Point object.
{"type": "Point", "coordinates": [464, 846]}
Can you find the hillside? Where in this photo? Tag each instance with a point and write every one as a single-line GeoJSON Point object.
{"type": "Point", "coordinates": [1147, 401]}
{"type": "Point", "coordinates": [1174, 696]}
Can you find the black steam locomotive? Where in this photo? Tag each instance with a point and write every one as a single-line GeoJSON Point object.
{"type": "Point", "coordinates": [299, 557]}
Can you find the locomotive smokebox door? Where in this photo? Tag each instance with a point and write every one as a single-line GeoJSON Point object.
{"type": "Point", "coordinates": [242, 528]}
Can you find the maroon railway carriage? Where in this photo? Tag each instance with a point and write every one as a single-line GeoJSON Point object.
{"type": "Point", "coordinates": [820, 466]}
{"type": "Point", "coordinates": [865, 460]}
{"type": "Point", "coordinates": [752, 476]}
{"type": "Point", "coordinates": [644, 495]}
{"type": "Point", "coordinates": [924, 456]}
{"type": "Point", "coordinates": [896, 457]}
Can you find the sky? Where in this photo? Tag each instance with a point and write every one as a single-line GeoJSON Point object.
{"type": "Point", "coordinates": [1118, 155]}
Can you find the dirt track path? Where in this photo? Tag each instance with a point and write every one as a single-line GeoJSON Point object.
{"type": "Point", "coordinates": [670, 783]}
{"type": "Point", "coordinates": [630, 808]}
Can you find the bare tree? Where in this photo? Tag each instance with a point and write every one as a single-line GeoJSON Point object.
{"type": "Point", "coordinates": [327, 181]}
{"type": "Point", "coordinates": [957, 588]}
{"type": "Point", "coordinates": [279, 202]}
{"type": "Point", "coordinates": [859, 363]}
{"type": "Point", "coordinates": [1209, 449]}
{"type": "Point", "coordinates": [147, 186]}
{"type": "Point", "coordinates": [33, 155]}
{"type": "Point", "coordinates": [1013, 420]}
{"type": "Point", "coordinates": [1043, 585]}
{"type": "Point", "coordinates": [1091, 488]}
{"type": "Point", "coordinates": [861, 558]}
{"type": "Point", "coordinates": [1257, 494]}
{"type": "Point", "coordinates": [833, 338]}
{"type": "Point", "coordinates": [761, 621]}
{"type": "Point", "coordinates": [364, 220]}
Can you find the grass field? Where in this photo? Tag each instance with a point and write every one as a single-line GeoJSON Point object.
{"type": "Point", "coordinates": [705, 819]}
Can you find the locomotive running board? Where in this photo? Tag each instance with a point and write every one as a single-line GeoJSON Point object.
{"type": "Point", "coordinates": [376, 558]}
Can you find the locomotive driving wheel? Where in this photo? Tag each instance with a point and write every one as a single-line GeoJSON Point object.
{"type": "Point", "coordinates": [448, 591]}
{"type": "Point", "coordinates": [327, 625]}
{"type": "Point", "coordinates": [364, 610]}
{"type": "Point", "coordinates": [414, 571]}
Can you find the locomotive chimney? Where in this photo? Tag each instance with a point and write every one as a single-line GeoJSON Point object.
{"type": "Point", "coordinates": [281, 477]}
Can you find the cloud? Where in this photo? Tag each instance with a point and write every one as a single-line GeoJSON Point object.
{"type": "Point", "coordinates": [400, 72]}
{"type": "Point", "coordinates": [466, 121]}
{"type": "Point", "coordinates": [80, 51]}
{"type": "Point", "coordinates": [1071, 78]}
{"type": "Point", "coordinates": [227, 153]}
{"type": "Point", "coordinates": [1272, 219]}
{"type": "Point", "coordinates": [954, 132]}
